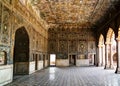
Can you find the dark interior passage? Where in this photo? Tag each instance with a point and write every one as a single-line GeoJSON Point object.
{"type": "Point", "coordinates": [21, 52]}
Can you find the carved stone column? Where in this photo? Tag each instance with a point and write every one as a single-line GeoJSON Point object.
{"type": "Point", "coordinates": [106, 55]}
{"type": "Point", "coordinates": [111, 57]}
{"type": "Point", "coordinates": [103, 55]}
{"type": "Point", "coordinates": [118, 58]}
{"type": "Point", "coordinates": [100, 56]}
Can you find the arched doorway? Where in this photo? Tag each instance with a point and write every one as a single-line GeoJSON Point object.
{"type": "Point", "coordinates": [113, 46]}
{"type": "Point", "coordinates": [101, 51]}
{"type": "Point", "coordinates": [21, 52]}
{"type": "Point", "coordinates": [111, 49]}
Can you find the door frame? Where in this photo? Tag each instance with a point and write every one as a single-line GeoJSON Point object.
{"type": "Point", "coordinates": [55, 60]}
{"type": "Point", "coordinates": [70, 59]}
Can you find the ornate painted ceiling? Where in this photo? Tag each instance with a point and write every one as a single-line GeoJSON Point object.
{"type": "Point", "coordinates": [71, 12]}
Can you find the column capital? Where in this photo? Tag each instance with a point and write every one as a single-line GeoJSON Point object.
{"type": "Point", "coordinates": [110, 43]}
{"type": "Point", "coordinates": [107, 43]}
{"type": "Point", "coordinates": [102, 45]}
{"type": "Point", "coordinates": [99, 46]}
{"type": "Point", "coordinates": [118, 39]}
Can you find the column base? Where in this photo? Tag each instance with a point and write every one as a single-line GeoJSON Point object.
{"type": "Point", "coordinates": [107, 67]}
{"type": "Point", "coordinates": [111, 67]}
{"type": "Point", "coordinates": [103, 64]}
{"type": "Point", "coordinates": [99, 65]}
{"type": "Point", "coordinates": [117, 70]}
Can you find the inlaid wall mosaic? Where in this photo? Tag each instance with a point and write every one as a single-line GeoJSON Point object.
{"type": "Point", "coordinates": [71, 41]}
{"type": "Point", "coordinates": [13, 15]}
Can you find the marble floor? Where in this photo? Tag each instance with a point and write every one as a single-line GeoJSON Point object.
{"type": "Point", "coordinates": [69, 76]}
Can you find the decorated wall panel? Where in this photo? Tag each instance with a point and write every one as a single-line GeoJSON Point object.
{"type": "Point", "coordinates": [0, 16]}
{"type": "Point", "coordinates": [71, 41]}
{"type": "Point", "coordinates": [10, 21]}
{"type": "Point", "coordinates": [63, 46]}
{"type": "Point", "coordinates": [53, 46]}
{"type": "Point", "coordinates": [73, 36]}
{"type": "Point", "coordinates": [6, 26]}
{"type": "Point", "coordinates": [82, 46]}
{"type": "Point", "coordinates": [73, 46]}
{"type": "Point", "coordinates": [62, 36]}
{"type": "Point", "coordinates": [91, 46]}
{"type": "Point", "coordinates": [62, 56]}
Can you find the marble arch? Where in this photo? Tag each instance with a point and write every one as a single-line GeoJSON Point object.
{"type": "Point", "coordinates": [21, 51]}
{"type": "Point", "coordinates": [109, 35]}
{"type": "Point", "coordinates": [101, 51]}
{"type": "Point", "coordinates": [109, 49]}
{"type": "Point", "coordinates": [101, 39]}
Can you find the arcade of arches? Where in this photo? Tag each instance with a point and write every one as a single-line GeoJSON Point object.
{"type": "Point", "coordinates": [75, 32]}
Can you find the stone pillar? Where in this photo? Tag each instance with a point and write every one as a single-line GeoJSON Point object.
{"type": "Point", "coordinates": [111, 57]}
{"type": "Point", "coordinates": [103, 55]}
{"type": "Point", "coordinates": [106, 55]}
{"type": "Point", "coordinates": [100, 56]}
{"type": "Point", "coordinates": [118, 58]}
{"type": "Point", "coordinates": [93, 59]}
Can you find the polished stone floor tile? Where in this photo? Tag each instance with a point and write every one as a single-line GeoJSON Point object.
{"type": "Point", "coordinates": [69, 76]}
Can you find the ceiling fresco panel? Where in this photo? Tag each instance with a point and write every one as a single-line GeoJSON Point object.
{"type": "Point", "coordinates": [80, 12]}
